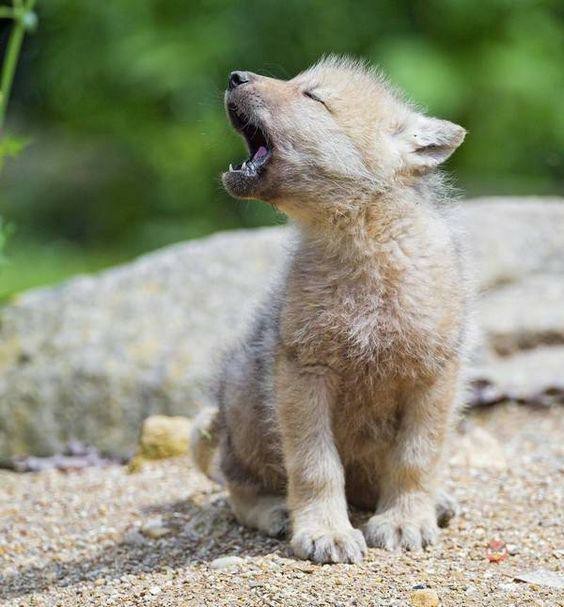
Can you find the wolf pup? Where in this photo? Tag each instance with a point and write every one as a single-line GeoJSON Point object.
{"type": "Point", "coordinates": [345, 388]}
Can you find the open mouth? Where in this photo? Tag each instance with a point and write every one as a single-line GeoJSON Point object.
{"type": "Point", "coordinates": [260, 148]}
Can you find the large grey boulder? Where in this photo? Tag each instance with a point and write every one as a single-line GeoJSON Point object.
{"type": "Point", "coordinates": [512, 238]}
{"type": "Point", "coordinates": [91, 358]}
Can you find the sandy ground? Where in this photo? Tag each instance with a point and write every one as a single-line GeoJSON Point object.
{"type": "Point", "coordinates": [81, 538]}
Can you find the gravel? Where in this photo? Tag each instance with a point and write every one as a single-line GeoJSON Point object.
{"type": "Point", "coordinates": [80, 537]}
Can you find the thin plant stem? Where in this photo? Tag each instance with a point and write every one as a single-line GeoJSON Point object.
{"type": "Point", "coordinates": [12, 54]}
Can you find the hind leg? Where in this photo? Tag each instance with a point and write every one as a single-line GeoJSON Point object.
{"type": "Point", "coordinates": [446, 508]}
{"type": "Point", "coordinates": [267, 513]}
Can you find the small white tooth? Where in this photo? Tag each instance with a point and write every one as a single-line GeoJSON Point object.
{"type": "Point", "coordinates": [230, 167]}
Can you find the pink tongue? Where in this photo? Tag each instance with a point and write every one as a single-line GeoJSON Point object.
{"type": "Point", "coordinates": [260, 153]}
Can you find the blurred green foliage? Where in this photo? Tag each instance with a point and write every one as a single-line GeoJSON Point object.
{"type": "Point", "coordinates": [10, 147]}
{"type": "Point", "coordinates": [123, 100]}
{"type": "Point", "coordinates": [4, 233]}
{"type": "Point", "coordinates": [21, 18]}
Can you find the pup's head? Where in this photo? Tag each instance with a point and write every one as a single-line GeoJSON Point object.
{"type": "Point", "coordinates": [336, 132]}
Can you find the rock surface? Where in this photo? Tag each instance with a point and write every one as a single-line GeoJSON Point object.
{"type": "Point", "coordinates": [93, 357]}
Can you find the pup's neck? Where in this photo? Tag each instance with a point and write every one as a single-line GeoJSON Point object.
{"type": "Point", "coordinates": [356, 231]}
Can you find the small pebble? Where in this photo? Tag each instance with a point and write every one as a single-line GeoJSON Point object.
{"type": "Point", "coordinates": [154, 529]}
{"type": "Point", "coordinates": [496, 552]}
{"type": "Point", "coordinates": [134, 538]}
{"type": "Point", "coordinates": [154, 590]}
{"type": "Point", "coordinates": [508, 587]}
{"type": "Point", "coordinates": [542, 577]}
{"type": "Point", "coordinates": [424, 597]}
{"type": "Point", "coordinates": [304, 566]}
{"type": "Point", "coordinates": [226, 562]}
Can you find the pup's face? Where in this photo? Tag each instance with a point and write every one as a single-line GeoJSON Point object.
{"type": "Point", "coordinates": [337, 132]}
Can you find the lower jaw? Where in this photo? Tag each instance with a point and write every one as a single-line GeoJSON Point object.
{"type": "Point", "coordinates": [239, 187]}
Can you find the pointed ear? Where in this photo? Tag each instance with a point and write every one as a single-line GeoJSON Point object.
{"type": "Point", "coordinates": [427, 142]}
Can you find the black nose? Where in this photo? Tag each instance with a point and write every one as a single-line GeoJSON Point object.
{"type": "Point", "coordinates": [237, 78]}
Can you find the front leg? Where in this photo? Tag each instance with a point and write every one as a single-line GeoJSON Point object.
{"type": "Point", "coordinates": [321, 530]}
{"type": "Point", "coordinates": [406, 516]}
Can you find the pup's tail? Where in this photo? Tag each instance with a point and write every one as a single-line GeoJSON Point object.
{"type": "Point", "coordinates": [204, 442]}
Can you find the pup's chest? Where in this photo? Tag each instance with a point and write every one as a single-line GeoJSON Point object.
{"type": "Point", "coordinates": [359, 320]}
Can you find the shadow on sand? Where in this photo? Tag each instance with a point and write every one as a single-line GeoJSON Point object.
{"type": "Point", "coordinates": [199, 532]}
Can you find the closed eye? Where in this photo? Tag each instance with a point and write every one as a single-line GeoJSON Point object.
{"type": "Point", "coordinates": [314, 97]}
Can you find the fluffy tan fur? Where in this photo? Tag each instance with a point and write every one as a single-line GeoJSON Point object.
{"type": "Point", "coordinates": [344, 390]}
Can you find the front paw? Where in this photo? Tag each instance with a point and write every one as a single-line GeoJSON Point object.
{"type": "Point", "coordinates": [329, 545]}
{"type": "Point", "coordinates": [408, 528]}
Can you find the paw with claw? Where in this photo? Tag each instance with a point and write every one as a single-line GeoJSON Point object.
{"type": "Point", "coordinates": [411, 525]}
{"type": "Point", "coordinates": [329, 545]}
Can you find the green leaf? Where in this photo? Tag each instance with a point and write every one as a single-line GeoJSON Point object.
{"type": "Point", "coordinates": [10, 147]}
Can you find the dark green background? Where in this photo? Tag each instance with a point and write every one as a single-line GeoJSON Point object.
{"type": "Point", "coordinates": [122, 102]}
